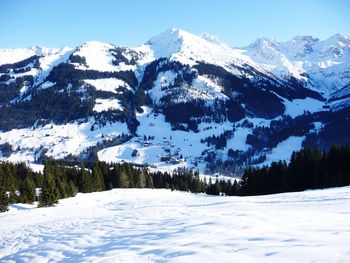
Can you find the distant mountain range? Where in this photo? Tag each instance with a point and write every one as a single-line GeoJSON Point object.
{"type": "Point", "coordinates": [178, 100]}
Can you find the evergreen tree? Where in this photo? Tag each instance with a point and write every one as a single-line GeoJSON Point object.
{"type": "Point", "coordinates": [49, 193]}
{"type": "Point", "coordinates": [149, 180]}
{"type": "Point", "coordinates": [4, 201]}
{"type": "Point", "coordinates": [124, 181]}
{"type": "Point", "coordinates": [142, 181]}
{"type": "Point", "coordinates": [235, 188]}
{"type": "Point", "coordinates": [71, 189]}
{"type": "Point", "coordinates": [10, 181]}
{"type": "Point", "coordinates": [27, 191]}
{"type": "Point", "coordinates": [86, 181]}
{"type": "Point", "coordinates": [217, 187]}
{"type": "Point", "coordinates": [115, 176]}
{"type": "Point", "coordinates": [60, 179]}
{"type": "Point", "coordinates": [97, 178]}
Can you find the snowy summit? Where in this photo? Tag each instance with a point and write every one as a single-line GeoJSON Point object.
{"type": "Point", "coordinates": [179, 99]}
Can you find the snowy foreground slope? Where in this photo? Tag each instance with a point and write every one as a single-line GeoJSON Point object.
{"type": "Point", "coordinates": [132, 225]}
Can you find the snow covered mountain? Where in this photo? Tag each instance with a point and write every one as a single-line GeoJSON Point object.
{"type": "Point", "coordinates": [177, 100]}
{"type": "Point", "coordinates": [324, 65]}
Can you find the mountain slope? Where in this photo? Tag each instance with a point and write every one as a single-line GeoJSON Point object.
{"type": "Point", "coordinates": [177, 100]}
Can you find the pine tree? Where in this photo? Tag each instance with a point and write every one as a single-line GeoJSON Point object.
{"type": "Point", "coordinates": [4, 201]}
{"type": "Point", "coordinates": [10, 181]}
{"type": "Point", "coordinates": [27, 191]}
{"type": "Point", "coordinates": [71, 189]}
{"type": "Point", "coordinates": [86, 181]}
{"type": "Point", "coordinates": [124, 181]}
{"type": "Point", "coordinates": [49, 192]}
{"type": "Point", "coordinates": [149, 180]}
{"type": "Point", "coordinates": [61, 187]}
{"type": "Point", "coordinates": [115, 176]}
{"type": "Point", "coordinates": [97, 178]}
{"type": "Point", "coordinates": [60, 180]}
{"type": "Point", "coordinates": [217, 187]}
{"type": "Point", "coordinates": [142, 180]}
{"type": "Point", "coordinates": [235, 188]}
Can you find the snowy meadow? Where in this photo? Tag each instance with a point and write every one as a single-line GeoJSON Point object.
{"type": "Point", "coordinates": [145, 225]}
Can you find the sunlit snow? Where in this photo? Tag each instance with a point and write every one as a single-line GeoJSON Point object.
{"type": "Point", "coordinates": [144, 225]}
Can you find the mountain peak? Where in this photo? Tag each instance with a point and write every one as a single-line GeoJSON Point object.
{"type": "Point", "coordinates": [264, 42]}
{"type": "Point", "coordinates": [335, 46]}
{"type": "Point", "coordinates": [167, 43]}
{"type": "Point", "coordinates": [177, 38]}
{"type": "Point", "coordinates": [339, 40]}
{"type": "Point", "coordinates": [301, 38]}
{"type": "Point", "coordinates": [339, 36]}
{"type": "Point", "coordinates": [171, 34]}
{"type": "Point", "coordinates": [188, 48]}
{"type": "Point", "coordinates": [300, 46]}
{"type": "Point", "coordinates": [96, 44]}
{"type": "Point", "coordinates": [174, 40]}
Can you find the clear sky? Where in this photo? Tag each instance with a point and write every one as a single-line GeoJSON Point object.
{"type": "Point", "coordinates": [58, 23]}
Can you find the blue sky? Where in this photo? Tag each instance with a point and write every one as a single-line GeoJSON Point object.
{"type": "Point", "coordinates": [56, 23]}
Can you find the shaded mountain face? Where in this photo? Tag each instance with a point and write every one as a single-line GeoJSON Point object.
{"type": "Point", "coordinates": [177, 100]}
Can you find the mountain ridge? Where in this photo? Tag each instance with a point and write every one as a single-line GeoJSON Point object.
{"type": "Point", "coordinates": [223, 107]}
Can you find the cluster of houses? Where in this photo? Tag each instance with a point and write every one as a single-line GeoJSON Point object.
{"type": "Point", "coordinates": [171, 156]}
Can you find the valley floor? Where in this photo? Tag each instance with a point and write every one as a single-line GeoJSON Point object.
{"type": "Point", "coordinates": [144, 225]}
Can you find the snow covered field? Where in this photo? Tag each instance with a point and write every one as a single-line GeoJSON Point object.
{"type": "Point", "coordinates": [144, 225]}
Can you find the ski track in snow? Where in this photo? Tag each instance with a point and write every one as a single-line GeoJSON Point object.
{"type": "Point", "coordinates": [134, 225]}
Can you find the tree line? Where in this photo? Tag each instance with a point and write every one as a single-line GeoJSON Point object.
{"type": "Point", "coordinates": [308, 169]}
{"type": "Point", "coordinates": [59, 180]}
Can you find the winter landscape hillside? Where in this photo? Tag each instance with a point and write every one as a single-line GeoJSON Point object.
{"type": "Point", "coordinates": [179, 100]}
{"type": "Point", "coordinates": [133, 225]}
{"type": "Point", "coordinates": [124, 141]}
{"type": "Point", "coordinates": [174, 131]}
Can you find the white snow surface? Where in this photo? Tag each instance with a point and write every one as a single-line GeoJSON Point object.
{"type": "Point", "coordinates": [238, 142]}
{"type": "Point", "coordinates": [9, 55]}
{"type": "Point", "coordinates": [284, 150]}
{"type": "Point", "coordinates": [58, 140]}
{"type": "Point", "coordinates": [107, 104]}
{"type": "Point", "coordinates": [97, 55]}
{"type": "Point", "coordinates": [145, 225]}
{"type": "Point", "coordinates": [110, 84]}
{"type": "Point", "coordinates": [298, 107]}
